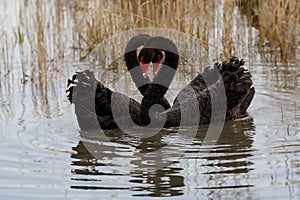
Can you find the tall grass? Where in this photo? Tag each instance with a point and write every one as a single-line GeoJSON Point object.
{"type": "Point", "coordinates": [103, 19]}
{"type": "Point", "coordinates": [47, 31]}
{"type": "Point", "coordinates": [278, 23]}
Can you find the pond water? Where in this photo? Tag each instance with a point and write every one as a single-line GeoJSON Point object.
{"type": "Point", "coordinates": [43, 156]}
{"type": "Point", "coordinates": [256, 157]}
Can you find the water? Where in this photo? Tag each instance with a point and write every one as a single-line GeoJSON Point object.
{"type": "Point", "coordinates": [256, 157]}
{"type": "Point", "coordinates": [43, 155]}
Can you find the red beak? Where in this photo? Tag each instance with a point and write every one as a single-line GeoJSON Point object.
{"type": "Point", "coordinates": [155, 68]}
{"type": "Point", "coordinates": [145, 69]}
{"type": "Point", "coordinates": [155, 65]}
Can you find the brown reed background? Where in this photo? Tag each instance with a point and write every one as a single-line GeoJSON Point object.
{"type": "Point", "coordinates": [47, 31]}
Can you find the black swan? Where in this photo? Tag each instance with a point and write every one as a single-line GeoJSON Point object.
{"type": "Point", "coordinates": [133, 63]}
{"type": "Point", "coordinates": [199, 95]}
{"type": "Point", "coordinates": [93, 100]}
{"type": "Point", "coordinates": [83, 88]}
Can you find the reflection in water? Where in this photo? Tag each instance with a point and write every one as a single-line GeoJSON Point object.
{"type": "Point", "coordinates": [106, 170]}
{"type": "Point", "coordinates": [233, 149]}
{"type": "Point", "coordinates": [95, 176]}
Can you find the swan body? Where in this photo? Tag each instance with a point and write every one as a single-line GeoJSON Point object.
{"type": "Point", "coordinates": [93, 101]}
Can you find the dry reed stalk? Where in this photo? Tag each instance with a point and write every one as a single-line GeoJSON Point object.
{"type": "Point", "coordinates": [93, 21]}
{"type": "Point", "coordinates": [278, 24]}
{"type": "Point", "coordinates": [41, 49]}
{"type": "Point", "coordinates": [192, 17]}
{"type": "Point", "coordinates": [227, 28]}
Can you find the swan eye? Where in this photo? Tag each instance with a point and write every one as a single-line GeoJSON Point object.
{"type": "Point", "coordinates": [159, 59]}
{"type": "Point", "coordinates": [141, 59]}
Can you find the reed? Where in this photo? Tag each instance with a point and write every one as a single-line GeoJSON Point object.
{"type": "Point", "coordinates": [53, 30]}
{"type": "Point", "coordinates": [278, 23]}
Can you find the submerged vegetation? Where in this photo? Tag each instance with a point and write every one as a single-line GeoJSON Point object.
{"type": "Point", "coordinates": [43, 32]}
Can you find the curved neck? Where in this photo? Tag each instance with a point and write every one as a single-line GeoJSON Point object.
{"type": "Point", "coordinates": [164, 76]}
{"type": "Point", "coordinates": [133, 63]}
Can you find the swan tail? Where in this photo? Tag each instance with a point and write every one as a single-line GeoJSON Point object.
{"type": "Point", "coordinates": [83, 91]}
{"type": "Point", "coordinates": [237, 81]}
{"type": "Point", "coordinates": [81, 87]}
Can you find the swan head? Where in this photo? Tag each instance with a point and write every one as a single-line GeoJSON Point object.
{"type": "Point", "coordinates": [150, 55]}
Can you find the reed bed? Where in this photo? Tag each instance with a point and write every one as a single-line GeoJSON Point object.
{"type": "Point", "coordinates": [278, 23]}
{"type": "Point", "coordinates": [42, 32]}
